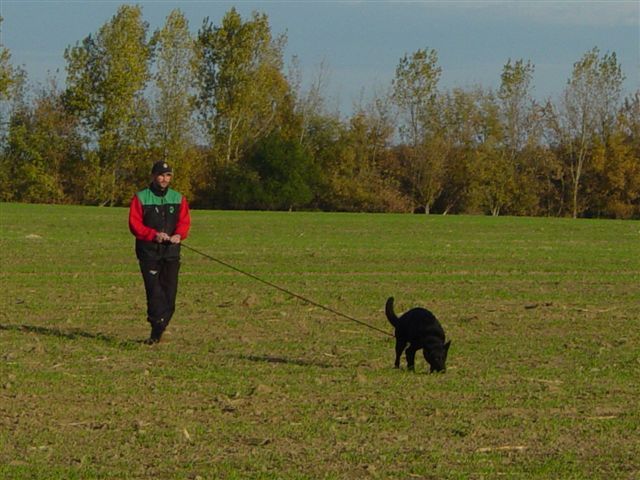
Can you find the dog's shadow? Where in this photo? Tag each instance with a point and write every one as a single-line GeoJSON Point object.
{"type": "Point", "coordinates": [72, 334]}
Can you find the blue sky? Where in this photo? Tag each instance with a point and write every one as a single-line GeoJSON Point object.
{"type": "Point", "coordinates": [361, 42]}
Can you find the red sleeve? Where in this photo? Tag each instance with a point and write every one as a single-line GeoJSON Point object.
{"type": "Point", "coordinates": [184, 220]}
{"type": "Point", "coordinates": [136, 225]}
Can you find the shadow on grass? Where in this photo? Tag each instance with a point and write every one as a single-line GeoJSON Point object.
{"type": "Point", "coordinates": [287, 361]}
{"type": "Point", "coordinates": [70, 334]}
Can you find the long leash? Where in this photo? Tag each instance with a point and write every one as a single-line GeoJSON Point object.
{"type": "Point", "coordinates": [288, 292]}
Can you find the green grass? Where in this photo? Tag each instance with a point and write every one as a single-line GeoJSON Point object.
{"type": "Point", "coordinates": [542, 377]}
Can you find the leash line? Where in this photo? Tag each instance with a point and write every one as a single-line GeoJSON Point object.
{"type": "Point", "coordinates": [284, 290]}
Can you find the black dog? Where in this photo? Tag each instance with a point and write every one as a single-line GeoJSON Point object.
{"type": "Point", "coordinates": [421, 330]}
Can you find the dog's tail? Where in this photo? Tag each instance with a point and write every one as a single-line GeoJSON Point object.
{"type": "Point", "coordinates": [391, 315]}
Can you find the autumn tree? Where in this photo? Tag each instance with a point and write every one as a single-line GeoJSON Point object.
{"type": "Point", "coordinates": [515, 102]}
{"type": "Point", "coordinates": [12, 104]}
{"type": "Point", "coordinates": [326, 140]}
{"type": "Point", "coordinates": [629, 122]}
{"type": "Point", "coordinates": [241, 90]}
{"type": "Point", "coordinates": [587, 110]}
{"type": "Point", "coordinates": [242, 133]}
{"type": "Point", "coordinates": [12, 87]}
{"type": "Point", "coordinates": [361, 180]}
{"type": "Point", "coordinates": [460, 123]}
{"type": "Point", "coordinates": [414, 94]}
{"type": "Point", "coordinates": [516, 167]}
{"type": "Point", "coordinates": [629, 130]}
{"type": "Point", "coordinates": [173, 132]}
{"type": "Point", "coordinates": [43, 152]}
{"type": "Point", "coordinates": [106, 77]}
{"type": "Point", "coordinates": [309, 103]}
{"type": "Point", "coordinates": [7, 70]}
{"type": "Point", "coordinates": [612, 184]}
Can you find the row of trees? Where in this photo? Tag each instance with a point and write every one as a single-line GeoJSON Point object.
{"type": "Point", "coordinates": [242, 131]}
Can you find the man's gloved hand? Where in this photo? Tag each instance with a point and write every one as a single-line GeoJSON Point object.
{"type": "Point", "coordinates": [162, 237]}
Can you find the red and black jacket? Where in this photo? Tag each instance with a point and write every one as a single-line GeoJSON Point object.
{"type": "Point", "coordinates": [153, 210]}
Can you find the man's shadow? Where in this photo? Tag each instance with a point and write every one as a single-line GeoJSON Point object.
{"type": "Point", "coordinates": [288, 361]}
{"type": "Point", "coordinates": [72, 334]}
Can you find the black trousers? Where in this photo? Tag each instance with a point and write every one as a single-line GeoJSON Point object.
{"type": "Point", "coordinates": [161, 285]}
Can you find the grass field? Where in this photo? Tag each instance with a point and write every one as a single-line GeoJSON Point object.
{"type": "Point", "coordinates": [543, 375]}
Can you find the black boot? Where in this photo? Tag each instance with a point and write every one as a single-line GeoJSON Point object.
{"type": "Point", "coordinates": [157, 329]}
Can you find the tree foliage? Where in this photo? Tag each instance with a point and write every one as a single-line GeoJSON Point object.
{"type": "Point", "coordinates": [275, 175]}
{"type": "Point", "coordinates": [173, 107]}
{"type": "Point", "coordinates": [106, 76]}
{"type": "Point", "coordinates": [415, 95]}
{"type": "Point", "coordinates": [586, 114]}
{"type": "Point", "coordinates": [41, 158]}
{"type": "Point", "coordinates": [241, 87]}
{"type": "Point", "coordinates": [7, 71]}
{"type": "Point", "coordinates": [242, 133]}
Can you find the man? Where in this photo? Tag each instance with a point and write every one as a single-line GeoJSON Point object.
{"type": "Point", "coordinates": [159, 219]}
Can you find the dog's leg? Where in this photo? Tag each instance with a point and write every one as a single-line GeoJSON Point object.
{"type": "Point", "coordinates": [400, 346]}
{"type": "Point", "coordinates": [411, 357]}
{"type": "Point", "coordinates": [426, 357]}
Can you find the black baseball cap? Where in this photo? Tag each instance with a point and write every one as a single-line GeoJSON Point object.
{"type": "Point", "coordinates": [161, 167]}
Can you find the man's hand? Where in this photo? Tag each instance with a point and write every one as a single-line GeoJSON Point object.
{"type": "Point", "coordinates": [162, 237]}
{"type": "Point", "coordinates": [175, 238]}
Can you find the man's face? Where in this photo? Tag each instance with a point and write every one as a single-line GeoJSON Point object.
{"type": "Point", "coordinates": [163, 180]}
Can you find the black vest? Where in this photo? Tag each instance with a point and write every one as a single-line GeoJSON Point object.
{"type": "Point", "coordinates": [160, 211]}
